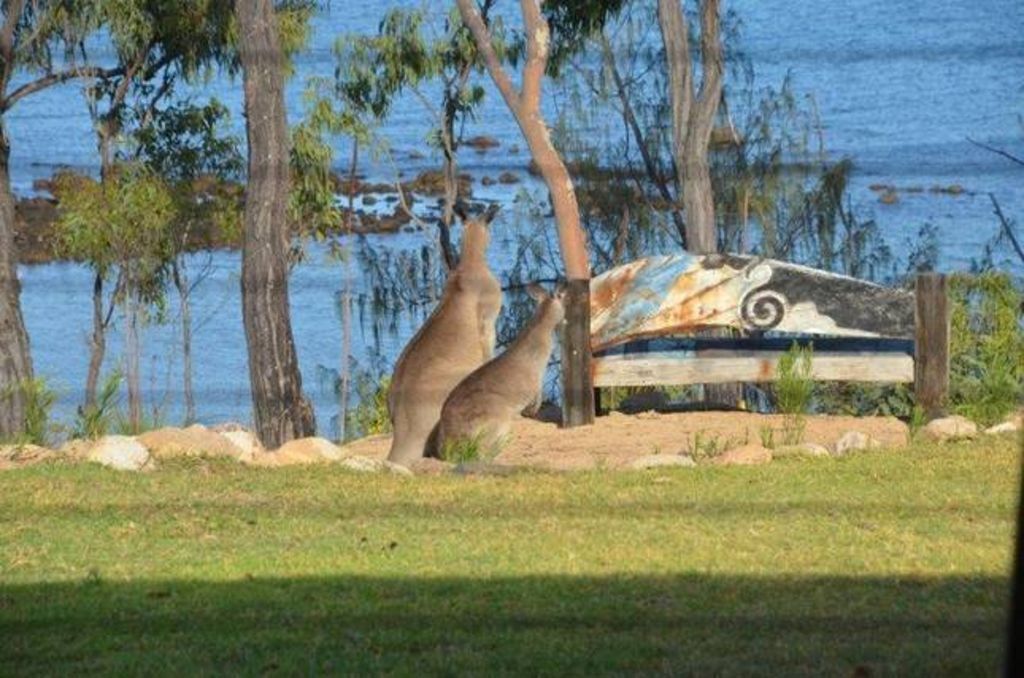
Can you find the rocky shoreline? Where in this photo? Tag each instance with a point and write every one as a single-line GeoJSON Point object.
{"type": "Point", "coordinates": [379, 210]}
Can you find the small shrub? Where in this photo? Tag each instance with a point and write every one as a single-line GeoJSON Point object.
{"type": "Point", "coordinates": [370, 416]}
{"type": "Point", "coordinates": [986, 347]}
{"type": "Point", "coordinates": [793, 391]}
{"type": "Point", "coordinates": [767, 437]}
{"type": "Point", "coordinates": [94, 421]}
{"type": "Point", "coordinates": [461, 450]}
{"type": "Point", "coordinates": [38, 398]}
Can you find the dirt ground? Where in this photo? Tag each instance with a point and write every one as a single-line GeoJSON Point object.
{"type": "Point", "coordinates": [617, 439]}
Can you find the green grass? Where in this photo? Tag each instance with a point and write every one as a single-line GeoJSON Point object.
{"type": "Point", "coordinates": [896, 562]}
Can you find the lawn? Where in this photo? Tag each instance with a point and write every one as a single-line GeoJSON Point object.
{"type": "Point", "coordinates": [893, 562]}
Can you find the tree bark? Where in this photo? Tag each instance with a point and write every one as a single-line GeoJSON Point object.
{"type": "Point", "coordinates": [15, 359]}
{"type": "Point", "coordinates": [525, 106]}
{"type": "Point", "coordinates": [693, 115]}
{"type": "Point", "coordinates": [280, 411]}
{"type": "Point", "coordinates": [181, 283]}
{"type": "Point", "coordinates": [133, 357]}
{"type": "Point", "coordinates": [98, 342]}
{"type": "Point", "coordinates": [693, 119]}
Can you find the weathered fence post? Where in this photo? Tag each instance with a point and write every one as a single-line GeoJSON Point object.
{"type": "Point", "coordinates": [577, 383]}
{"type": "Point", "coordinates": [931, 344]}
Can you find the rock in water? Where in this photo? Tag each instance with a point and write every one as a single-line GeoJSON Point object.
{"type": "Point", "coordinates": [949, 428]}
{"type": "Point", "coordinates": [122, 453]}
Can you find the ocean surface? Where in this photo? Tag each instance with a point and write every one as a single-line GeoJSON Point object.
{"type": "Point", "coordinates": [899, 87]}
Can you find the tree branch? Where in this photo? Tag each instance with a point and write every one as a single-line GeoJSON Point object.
{"type": "Point", "coordinates": [474, 22]}
{"type": "Point", "coordinates": [1006, 226]}
{"type": "Point", "coordinates": [712, 67]}
{"type": "Point", "coordinates": [13, 16]}
{"type": "Point", "coordinates": [997, 151]}
{"type": "Point", "coordinates": [538, 37]}
{"type": "Point", "coordinates": [51, 79]}
{"type": "Point", "coordinates": [675, 35]}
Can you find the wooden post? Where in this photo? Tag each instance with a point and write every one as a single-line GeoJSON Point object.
{"type": "Point", "coordinates": [577, 383]}
{"type": "Point", "coordinates": [931, 344]}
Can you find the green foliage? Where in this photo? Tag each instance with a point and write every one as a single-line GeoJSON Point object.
{"type": "Point", "coordinates": [794, 389]}
{"type": "Point", "coordinates": [38, 399]}
{"type": "Point", "coordinates": [987, 346]}
{"type": "Point", "coordinates": [462, 450]}
{"type": "Point", "coordinates": [703, 447]}
{"type": "Point", "coordinates": [370, 416]}
{"type": "Point", "coordinates": [123, 222]}
{"type": "Point", "coordinates": [866, 399]}
{"type": "Point", "coordinates": [94, 421]}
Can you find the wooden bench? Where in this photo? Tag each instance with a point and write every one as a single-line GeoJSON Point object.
{"type": "Point", "coordinates": [638, 325]}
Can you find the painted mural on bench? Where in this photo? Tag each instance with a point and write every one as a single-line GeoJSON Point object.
{"type": "Point", "coordinates": [680, 294]}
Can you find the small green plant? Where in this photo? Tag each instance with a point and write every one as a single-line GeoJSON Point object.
{"type": "Point", "coordinates": [767, 434]}
{"type": "Point", "coordinates": [38, 398]}
{"type": "Point", "coordinates": [94, 421]}
{"type": "Point", "coordinates": [461, 450]}
{"type": "Point", "coordinates": [703, 446]}
{"type": "Point", "coordinates": [916, 421]}
{"type": "Point", "coordinates": [986, 347]}
{"type": "Point", "coordinates": [370, 416]}
{"type": "Point", "coordinates": [793, 391]}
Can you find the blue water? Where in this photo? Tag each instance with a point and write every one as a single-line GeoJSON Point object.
{"type": "Point", "coordinates": [899, 87]}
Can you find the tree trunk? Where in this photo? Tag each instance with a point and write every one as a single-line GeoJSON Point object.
{"type": "Point", "coordinates": [133, 356]}
{"type": "Point", "coordinates": [525, 106]}
{"type": "Point", "coordinates": [693, 117]}
{"type": "Point", "coordinates": [280, 411]}
{"type": "Point", "coordinates": [15, 359]}
{"type": "Point", "coordinates": [98, 343]}
{"type": "Point", "coordinates": [181, 284]}
{"type": "Point", "coordinates": [699, 204]}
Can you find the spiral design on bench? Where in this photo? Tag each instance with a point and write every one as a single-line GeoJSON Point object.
{"type": "Point", "coordinates": [762, 309]}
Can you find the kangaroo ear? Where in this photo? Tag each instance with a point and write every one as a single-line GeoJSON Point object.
{"type": "Point", "coordinates": [460, 209]}
{"type": "Point", "coordinates": [536, 292]}
{"type": "Point", "coordinates": [490, 213]}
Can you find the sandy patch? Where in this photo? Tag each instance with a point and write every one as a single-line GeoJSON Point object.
{"type": "Point", "coordinates": [617, 439]}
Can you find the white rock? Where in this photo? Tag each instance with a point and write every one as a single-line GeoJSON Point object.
{"type": "Point", "coordinates": [1005, 427]}
{"type": "Point", "coordinates": [662, 461]}
{"type": "Point", "coordinates": [854, 441]}
{"type": "Point", "coordinates": [801, 450]}
{"type": "Point", "coordinates": [302, 451]}
{"type": "Point", "coordinates": [370, 465]}
{"type": "Point", "coordinates": [949, 428]}
{"type": "Point", "coordinates": [745, 455]}
{"type": "Point", "coordinates": [16, 456]}
{"type": "Point", "coordinates": [247, 443]}
{"type": "Point", "coordinates": [120, 452]}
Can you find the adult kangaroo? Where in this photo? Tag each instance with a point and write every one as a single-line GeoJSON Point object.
{"type": "Point", "coordinates": [457, 338]}
{"type": "Point", "coordinates": [481, 408]}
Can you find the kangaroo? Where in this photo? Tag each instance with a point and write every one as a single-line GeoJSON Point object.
{"type": "Point", "coordinates": [457, 338]}
{"type": "Point", "coordinates": [483, 405]}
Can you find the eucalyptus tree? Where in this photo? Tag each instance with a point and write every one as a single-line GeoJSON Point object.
{"type": "Point", "coordinates": [374, 70]}
{"type": "Point", "coordinates": [121, 222]}
{"type": "Point", "coordinates": [156, 44]}
{"type": "Point", "coordinates": [188, 145]}
{"type": "Point", "coordinates": [281, 412]}
{"type": "Point", "coordinates": [32, 31]}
